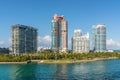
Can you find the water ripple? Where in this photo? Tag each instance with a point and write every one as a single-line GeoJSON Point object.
{"type": "Point", "coordinates": [99, 70]}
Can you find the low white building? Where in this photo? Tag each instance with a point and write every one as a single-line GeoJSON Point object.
{"type": "Point", "coordinates": [80, 44]}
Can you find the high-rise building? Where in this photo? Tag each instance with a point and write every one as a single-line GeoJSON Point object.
{"type": "Point", "coordinates": [99, 38]}
{"type": "Point", "coordinates": [24, 39]}
{"type": "Point", "coordinates": [59, 33]}
{"type": "Point", "coordinates": [80, 44]}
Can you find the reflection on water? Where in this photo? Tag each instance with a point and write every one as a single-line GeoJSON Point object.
{"type": "Point", "coordinates": [23, 72]}
{"type": "Point", "coordinates": [89, 70]}
{"type": "Point", "coordinates": [61, 69]}
{"type": "Point", "coordinates": [61, 72]}
{"type": "Point", "coordinates": [99, 70]}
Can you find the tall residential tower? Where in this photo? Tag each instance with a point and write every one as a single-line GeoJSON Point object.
{"type": "Point", "coordinates": [80, 44]}
{"type": "Point", "coordinates": [59, 33]}
{"type": "Point", "coordinates": [99, 38]}
{"type": "Point", "coordinates": [24, 39]}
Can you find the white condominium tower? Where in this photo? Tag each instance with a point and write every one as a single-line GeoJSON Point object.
{"type": "Point", "coordinates": [99, 38]}
{"type": "Point", "coordinates": [80, 44]}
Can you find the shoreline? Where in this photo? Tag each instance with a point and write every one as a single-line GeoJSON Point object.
{"type": "Point", "coordinates": [60, 61]}
{"type": "Point", "coordinates": [13, 62]}
{"type": "Point", "coordinates": [74, 61]}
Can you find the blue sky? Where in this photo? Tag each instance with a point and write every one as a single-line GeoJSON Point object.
{"type": "Point", "coordinates": [80, 14]}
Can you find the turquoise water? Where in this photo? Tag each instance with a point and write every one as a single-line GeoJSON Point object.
{"type": "Point", "coordinates": [99, 70]}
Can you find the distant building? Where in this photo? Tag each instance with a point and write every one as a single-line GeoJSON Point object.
{"type": "Point", "coordinates": [43, 49]}
{"type": "Point", "coordinates": [99, 38]}
{"type": "Point", "coordinates": [109, 50]}
{"type": "Point", "coordinates": [24, 39]}
{"type": "Point", "coordinates": [4, 50]}
{"type": "Point", "coordinates": [116, 50]}
{"type": "Point", "coordinates": [59, 34]}
{"type": "Point", "coordinates": [80, 44]}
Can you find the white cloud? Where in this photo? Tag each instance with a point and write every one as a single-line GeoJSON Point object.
{"type": "Point", "coordinates": [2, 42]}
{"type": "Point", "coordinates": [111, 44]}
{"type": "Point", "coordinates": [10, 40]}
{"type": "Point", "coordinates": [69, 44]}
{"type": "Point", "coordinates": [47, 38]}
{"type": "Point", "coordinates": [44, 41]}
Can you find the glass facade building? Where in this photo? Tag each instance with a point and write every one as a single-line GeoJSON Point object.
{"type": "Point", "coordinates": [24, 39]}
{"type": "Point", "coordinates": [99, 38]}
{"type": "Point", "coordinates": [59, 33]}
{"type": "Point", "coordinates": [80, 44]}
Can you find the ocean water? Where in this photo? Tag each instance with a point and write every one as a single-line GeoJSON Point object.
{"type": "Point", "coordinates": [99, 70]}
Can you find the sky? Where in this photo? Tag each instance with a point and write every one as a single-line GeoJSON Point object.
{"type": "Point", "coordinates": [80, 14]}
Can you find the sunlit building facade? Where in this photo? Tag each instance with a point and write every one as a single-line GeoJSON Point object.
{"type": "Point", "coordinates": [59, 33]}
{"type": "Point", "coordinates": [99, 38]}
{"type": "Point", "coordinates": [80, 44]}
{"type": "Point", "coordinates": [24, 39]}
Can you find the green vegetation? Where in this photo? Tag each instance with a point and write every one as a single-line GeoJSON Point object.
{"type": "Point", "coordinates": [53, 56]}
